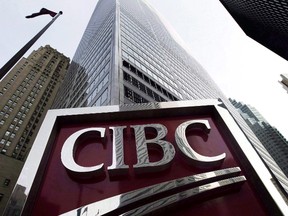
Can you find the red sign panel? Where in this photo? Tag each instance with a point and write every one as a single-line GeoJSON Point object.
{"type": "Point", "coordinates": [61, 192]}
{"type": "Point", "coordinates": [168, 161]}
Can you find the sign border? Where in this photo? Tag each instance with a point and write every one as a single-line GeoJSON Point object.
{"type": "Point", "coordinates": [30, 179]}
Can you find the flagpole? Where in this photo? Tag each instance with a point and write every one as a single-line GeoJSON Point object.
{"type": "Point", "coordinates": [5, 69]}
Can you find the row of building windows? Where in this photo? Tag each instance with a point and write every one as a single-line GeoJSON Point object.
{"type": "Point", "coordinates": [147, 64]}
{"type": "Point", "coordinates": [134, 29]}
{"type": "Point", "coordinates": [65, 89]}
{"type": "Point", "coordinates": [20, 128]}
{"type": "Point", "coordinates": [85, 68]}
{"type": "Point", "coordinates": [151, 74]}
{"type": "Point", "coordinates": [133, 96]}
{"type": "Point", "coordinates": [12, 80]}
{"type": "Point", "coordinates": [192, 76]}
{"type": "Point", "coordinates": [97, 88]}
{"type": "Point", "coordinates": [128, 78]}
{"type": "Point", "coordinates": [14, 127]}
{"type": "Point", "coordinates": [148, 80]}
{"type": "Point", "coordinates": [98, 56]}
{"type": "Point", "coordinates": [21, 115]}
{"type": "Point", "coordinates": [99, 81]}
{"type": "Point", "coordinates": [88, 86]}
{"type": "Point", "coordinates": [102, 99]}
{"type": "Point", "coordinates": [88, 75]}
{"type": "Point", "coordinates": [146, 45]}
{"type": "Point", "coordinates": [133, 36]}
{"type": "Point", "coordinates": [144, 52]}
{"type": "Point", "coordinates": [20, 149]}
{"type": "Point", "coordinates": [101, 69]}
{"type": "Point", "coordinates": [137, 50]}
{"type": "Point", "coordinates": [6, 182]}
{"type": "Point", "coordinates": [96, 44]}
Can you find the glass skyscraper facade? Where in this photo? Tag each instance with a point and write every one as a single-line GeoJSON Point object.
{"type": "Point", "coordinates": [270, 137]}
{"type": "Point", "coordinates": [127, 55]}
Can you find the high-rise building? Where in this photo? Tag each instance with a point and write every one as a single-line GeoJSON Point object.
{"type": "Point", "coordinates": [264, 21]}
{"type": "Point", "coordinates": [284, 81]}
{"type": "Point", "coordinates": [270, 137]}
{"type": "Point", "coordinates": [127, 55]}
{"type": "Point", "coordinates": [26, 93]}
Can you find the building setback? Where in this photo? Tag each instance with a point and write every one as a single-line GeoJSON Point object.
{"type": "Point", "coordinates": [26, 93]}
{"type": "Point", "coordinates": [264, 21]}
{"type": "Point", "coordinates": [127, 55]}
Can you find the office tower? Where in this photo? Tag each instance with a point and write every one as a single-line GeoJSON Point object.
{"type": "Point", "coordinates": [264, 21]}
{"type": "Point", "coordinates": [26, 93]}
{"type": "Point", "coordinates": [270, 137]}
{"type": "Point", "coordinates": [284, 81]}
{"type": "Point", "coordinates": [127, 55]}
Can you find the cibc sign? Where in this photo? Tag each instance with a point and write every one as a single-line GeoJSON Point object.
{"type": "Point", "coordinates": [179, 158]}
{"type": "Point", "coordinates": [143, 165]}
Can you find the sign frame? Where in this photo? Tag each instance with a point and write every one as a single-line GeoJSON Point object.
{"type": "Point", "coordinates": [30, 178]}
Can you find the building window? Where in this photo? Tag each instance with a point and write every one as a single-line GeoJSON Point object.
{"type": "Point", "coordinates": [8, 143]}
{"type": "Point", "coordinates": [6, 182]}
{"type": "Point", "coordinates": [133, 96]}
{"type": "Point", "coordinates": [2, 141]}
{"type": "Point", "coordinates": [104, 96]}
{"type": "Point", "coordinates": [128, 93]}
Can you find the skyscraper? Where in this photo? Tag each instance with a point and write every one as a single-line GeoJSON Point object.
{"type": "Point", "coordinates": [127, 55]}
{"type": "Point", "coordinates": [270, 137]}
{"type": "Point", "coordinates": [26, 93]}
{"type": "Point", "coordinates": [264, 21]}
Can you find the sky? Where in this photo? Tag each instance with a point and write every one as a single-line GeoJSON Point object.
{"type": "Point", "coordinates": [243, 69]}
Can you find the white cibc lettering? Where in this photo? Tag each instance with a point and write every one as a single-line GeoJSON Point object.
{"type": "Point", "coordinates": [118, 167]}
{"type": "Point", "coordinates": [142, 144]}
{"type": "Point", "coordinates": [69, 148]}
{"type": "Point", "coordinates": [191, 156]}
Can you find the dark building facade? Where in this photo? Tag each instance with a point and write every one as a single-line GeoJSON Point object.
{"type": "Point", "coordinates": [26, 93]}
{"type": "Point", "coordinates": [264, 21]}
{"type": "Point", "coordinates": [127, 55]}
{"type": "Point", "coordinates": [271, 139]}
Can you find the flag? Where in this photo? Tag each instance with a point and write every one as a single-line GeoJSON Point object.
{"type": "Point", "coordinates": [43, 11]}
